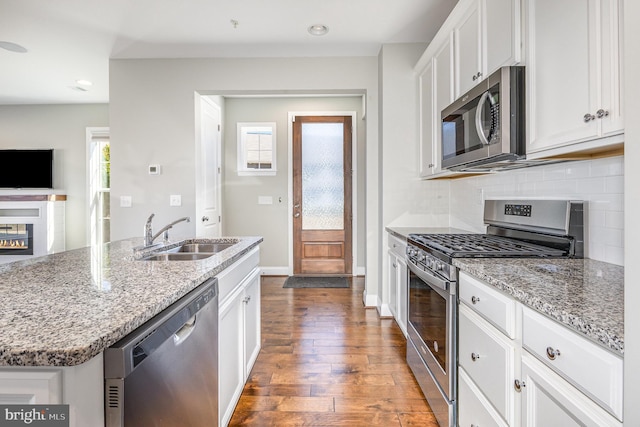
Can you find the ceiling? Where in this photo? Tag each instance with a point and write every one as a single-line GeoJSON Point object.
{"type": "Point", "coordinates": [68, 40]}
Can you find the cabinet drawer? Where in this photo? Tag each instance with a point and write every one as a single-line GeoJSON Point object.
{"type": "Point", "coordinates": [591, 368]}
{"type": "Point", "coordinates": [494, 306]}
{"type": "Point", "coordinates": [397, 246]}
{"type": "Point", "coordinates": [473, 409]}
{"type": "Point", "coordinates": [230, 278]}
{"type": "Point", "coordinates": [489, 359]}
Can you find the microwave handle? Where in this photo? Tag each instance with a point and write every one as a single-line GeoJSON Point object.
{"type": "Point", "coordinates": [479, 109]}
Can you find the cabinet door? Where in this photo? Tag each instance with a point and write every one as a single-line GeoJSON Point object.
{"type": "Point", "coordinates": [548, 400]}
{"type": "Point", "coordinates": [501, 33]}
{"type": "Point", "coordinates": [443, 95]}
{"type": "Point", "coordinates": [393, 284]}
{"type": "Point", "coordinates": [473, 408]}
{"type": "Point", "coordinates": [427, 123]}
{"type": "Point", "coordinates": [252, 322]}
{"type": "Point", "coordinates": [611, 103]}
{"type": "Point", "coordinates": [468, 48]}
{"type": "Point", "coordinates": [403, 294]}
{"type": "Point", "coordinates": [231, 355]}
{"type": "Point", "coordinates": [561, 72]}
{"type": "Point", "coordinates": [490, 360]}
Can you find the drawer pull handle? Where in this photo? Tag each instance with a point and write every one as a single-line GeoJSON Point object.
{"type": "Point", "coordinates": [517, 384]}
{"type": "Point", "coordinates": [552, 354]}
{"type": "Point", "coordinates": [475, 299]}
{"type": "Point", "coordinates": [475, 356]}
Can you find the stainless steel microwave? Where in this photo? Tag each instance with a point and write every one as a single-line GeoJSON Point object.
{"type": "Point", "coordinates": [485, 128]}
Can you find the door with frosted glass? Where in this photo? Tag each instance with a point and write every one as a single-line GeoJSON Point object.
{"type": "Point", "coordinates": [322, 195]}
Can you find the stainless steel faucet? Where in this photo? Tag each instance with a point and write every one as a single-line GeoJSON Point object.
{"type": "Point", "coordinates": [149, 237]}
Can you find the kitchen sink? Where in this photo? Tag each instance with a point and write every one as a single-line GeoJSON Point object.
{"type": "Point", "coordinates": [177, 256]}
{"type": "Point", "coordinates": [189, 251]}
{"type": "Point", "coordinates": [204, 247]}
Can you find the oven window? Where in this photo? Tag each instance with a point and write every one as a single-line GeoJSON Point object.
{"type": "Point", "coordinates": [428, 315]}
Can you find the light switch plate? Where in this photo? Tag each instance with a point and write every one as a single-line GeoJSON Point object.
{"type": "Point", "coordinates": [175, 200]}
{"type": "Point", "coordinates": [125, 201]}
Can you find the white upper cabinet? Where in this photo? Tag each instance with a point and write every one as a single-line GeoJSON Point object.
{"type": "Point", "coordinates": [573, 74]}
{"type": "Point", "coordinates": [427, 122]}
{"type": "Point", "coordinates": [487, 37]}
{"type": "Point", "coordinates": [468, 50]}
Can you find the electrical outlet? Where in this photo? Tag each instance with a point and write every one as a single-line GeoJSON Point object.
{"type": "Point", "coordinates": [175, 200]}
{"type": "Point", "coordinates": [125, 201]}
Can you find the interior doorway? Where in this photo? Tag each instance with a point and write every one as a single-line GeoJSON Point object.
{"type": "Point", "coordinates": [322, 195]}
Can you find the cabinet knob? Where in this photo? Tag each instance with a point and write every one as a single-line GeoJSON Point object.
{"type": "Point", "coordinates": [205, 218]}
{"type": "Point", "coordinates": [588, 117]}
{"type": "Point", "coordinates": [475, 299]}
{"type": "Point", "coordinates": [517, 384]}
{"type": "Point", "coordinates": [552, 354]}
{"type": "Point", "coordinates": [246, 300]}
{"type": "Point", "coordinates": [601, 113]}
{"type": "Point", "coordinates": [475, 356]}
{"type": "Point", "coordinates": [297, 214]}
{"type": "Point", "coordinates": [430, 165]}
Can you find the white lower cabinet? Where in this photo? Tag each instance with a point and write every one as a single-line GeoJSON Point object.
{"type": "Point", "coordinates": [548, 400]}
{"type": "Point", "coordinates": [473, 407]}
{"type": "Point", "coordinates": [238, 331]}
{"type": "Point", "coordinates": [398, 282]}
{"type": "Point", "coordinates": [489, 358]}
{"type": "Point", "coordinates": [541, 374]}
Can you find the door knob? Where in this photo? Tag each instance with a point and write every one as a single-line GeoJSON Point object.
{"type": "Point", "coordinates": [205, 218]}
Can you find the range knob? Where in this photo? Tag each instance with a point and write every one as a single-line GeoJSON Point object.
{"type": "Point", "coordinates": [421, 256]}
{"type": "Point", "coordinates": [439, 266]}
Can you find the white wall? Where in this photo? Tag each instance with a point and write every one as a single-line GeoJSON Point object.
{"type": "Point", "coordinates": [632, 213]}
{"type": "Point", "coordinates": [598, 182]}
{"type": "Point", "coordinates": [152, 120]}
{"type": "Point", "coordinates": [63, 128]}
{"type": "Point", "coordinates": [242, 213]}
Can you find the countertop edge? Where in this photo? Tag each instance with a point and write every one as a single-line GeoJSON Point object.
{"type": "Point", "coordinates": [61, 357]}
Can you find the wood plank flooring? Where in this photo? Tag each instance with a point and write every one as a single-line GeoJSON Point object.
{"type": "Point", "coordinates": [328, 361]}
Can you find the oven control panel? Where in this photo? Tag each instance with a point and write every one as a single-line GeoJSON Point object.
{"type": "Point", "coordinates": [428, 262]}
{"type": "Point", "coordinates": [517, 210]}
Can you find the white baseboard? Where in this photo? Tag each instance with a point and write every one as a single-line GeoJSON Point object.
{"type": "Point", "coordinates": [284, 271]}
{"type": "Point", "coordinates": [274, 271]}
{"type": "Point", "coordinates": [384, 311]}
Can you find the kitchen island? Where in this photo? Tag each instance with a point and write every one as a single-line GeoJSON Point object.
{"type": "Point", "coordinates": [59, 312]}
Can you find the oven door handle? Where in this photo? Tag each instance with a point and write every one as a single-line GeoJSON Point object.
{"type": "Point", "coordinates": [429, 278]}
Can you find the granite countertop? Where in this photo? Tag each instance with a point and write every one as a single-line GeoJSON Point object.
{"type": "Point", "coordinates": [64, 309]}
{"type": "Point", "coordinates": [403, 232]}
{"type": "Point", "coordinates": [583, 294]}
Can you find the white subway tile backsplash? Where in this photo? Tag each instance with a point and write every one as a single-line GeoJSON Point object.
{"type": "Point", "coordinates": [614, 219]}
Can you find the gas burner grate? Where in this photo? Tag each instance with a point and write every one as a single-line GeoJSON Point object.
{"type": "Point", "coordinates": [482, 245]}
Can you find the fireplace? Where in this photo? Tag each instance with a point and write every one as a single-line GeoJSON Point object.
{"type": "Point", "coordinates": [16, 239]}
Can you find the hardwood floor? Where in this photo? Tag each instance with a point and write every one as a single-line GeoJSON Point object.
{"type": "Point", "coordinates": [328, 361]}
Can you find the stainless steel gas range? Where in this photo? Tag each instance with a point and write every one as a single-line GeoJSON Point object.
{"type": "Point", "coordinates": [515, 228]}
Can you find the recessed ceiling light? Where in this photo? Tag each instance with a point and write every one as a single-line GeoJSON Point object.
{"type": "Point", "coordinates": [13, 47]}
{"type": "Point", "coordinates": [318, 30]}
{"type": "Point", "coordinates": [84, 82]}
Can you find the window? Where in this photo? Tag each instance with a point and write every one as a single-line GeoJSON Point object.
{"type": "Point", "coordinates": [256, 148]}
{"type": "Point", "coordinates": [99, 171]}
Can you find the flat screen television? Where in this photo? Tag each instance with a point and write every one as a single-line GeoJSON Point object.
{"type": "Point", "coordinates": [26, 168]}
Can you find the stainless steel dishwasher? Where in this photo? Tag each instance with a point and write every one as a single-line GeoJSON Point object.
{"type": "Point", "coordinates": [165, 373]}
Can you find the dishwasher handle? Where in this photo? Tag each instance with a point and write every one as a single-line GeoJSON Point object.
{"type": "Point", "coordinates": [175, 323]}
{"type": "Point", "coordinates": [183, 333]}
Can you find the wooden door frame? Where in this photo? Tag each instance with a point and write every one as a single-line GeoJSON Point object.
{"type": "Point", "coordinates": [354, 181]}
